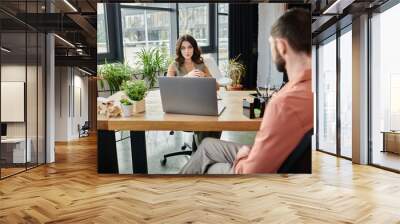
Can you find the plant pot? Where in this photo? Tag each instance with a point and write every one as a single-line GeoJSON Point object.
{"type": "Point", "coordinates": [235, 87]}
{"type": "Point", "coordinates": [139, 106]}
{"type": "Point", "coordinates": [127, 110]}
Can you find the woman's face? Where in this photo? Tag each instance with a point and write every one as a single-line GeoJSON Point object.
{"type": "Point", "coordinates": [187, 50]}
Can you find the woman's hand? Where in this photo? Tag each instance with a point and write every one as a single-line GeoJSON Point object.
{"type": "Point", "coordinates": [196, 73]}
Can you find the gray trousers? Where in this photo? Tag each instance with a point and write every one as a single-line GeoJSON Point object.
{"type": "Point", "coordinates": [213, 156]}
{"type": "Point", "coordinates": [200, 135]}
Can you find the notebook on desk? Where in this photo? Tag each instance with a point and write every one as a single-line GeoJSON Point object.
{"type": "Point", "coordinates": [194, 96]}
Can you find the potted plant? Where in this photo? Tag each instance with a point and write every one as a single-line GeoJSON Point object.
{"type": "Point", "coordinates": [127, 107]}
{"type": "Point", "coordinates": [114, 74]}
{"type": "Point", "coordinates": [236, 72]}
{"type": "Point", "coordinates": [136, 91]}
{"type": "Point", "coordinates": [153, 62]}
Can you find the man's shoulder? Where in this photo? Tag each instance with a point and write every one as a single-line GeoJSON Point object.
{"type": "Point", "coordinates": [292, 98]}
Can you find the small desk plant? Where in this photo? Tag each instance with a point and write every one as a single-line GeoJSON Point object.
{"type": "Point", "coordinates": [236, 70]}
{"type": "Point", "coordinates": [127, 107]}
{"type": "Point", "coordinates": [135, 91]}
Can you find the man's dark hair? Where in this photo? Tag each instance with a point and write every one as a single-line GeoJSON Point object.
{"type": "Point", "coordinates": [295, 26]}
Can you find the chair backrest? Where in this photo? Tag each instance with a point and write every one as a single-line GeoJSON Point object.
{"type": "Point", "coordinates": [86, 125]}
{"type": "Point", "coordinates": [212, 67]}
{"type": "Point", "coordinates": [299, 161]}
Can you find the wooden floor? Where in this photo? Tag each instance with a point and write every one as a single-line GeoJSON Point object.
{"type": "Point", "coordinates": [386, 159]}
{"type": "Point", "coordinates": [70, 191]}
{"type": "Point", "coordinates": [10, 171]}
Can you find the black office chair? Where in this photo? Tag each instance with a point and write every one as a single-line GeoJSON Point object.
{"type": "Point", "coordinates": [84, 130]}
{"type": "Point", "coordinates": [192, 146]}
{"type": "Point", "coordinates": [299, 161]}
{"type": "Point", "coordinates": [185, 145]}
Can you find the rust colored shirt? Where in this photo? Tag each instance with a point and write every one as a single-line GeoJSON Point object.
{"type": "Point", "coordinates": [287, 118]}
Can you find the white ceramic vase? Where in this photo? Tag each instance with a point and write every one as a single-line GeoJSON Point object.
{"type": "Point", "coordinates": [127, 110]}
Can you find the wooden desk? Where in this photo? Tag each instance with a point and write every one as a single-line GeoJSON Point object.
{"type": "Point", "coordinates": [232, 119]}
{"type": "Point", "coordinates": [13, 150]}
{"type": "Point", "coordinates": [391, 141]}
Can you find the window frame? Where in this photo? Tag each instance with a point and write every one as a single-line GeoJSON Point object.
{"type": "Point", "coordinates": [212, 26]}
{"type": "Point", "coordinates": [332, 35]}
{"type": "Point", "coordinates": [378, 10]}
{"type": "Point", "coordinates": [138, 7]}
{"type": "Point", "coordinates": [115, 53]}
{"type": "Point", "coordinates": [106, 29]}
{"type": "Point", "coordinates": [217, 29]}
{"type": "Point", "coordinates": [341, 32]}
{"type": "Point", "coordinates": [115, 37]}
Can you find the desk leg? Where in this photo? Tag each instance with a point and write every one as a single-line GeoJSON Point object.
{"type": "Point", "coordinates": [107, 161]}
{"type": "Point", "coordinates": [138, 149]}
{"type": "Point", "coordinates": [384, 142]}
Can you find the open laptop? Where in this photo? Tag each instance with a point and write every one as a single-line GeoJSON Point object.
{"type": "Point", "coordinates": [195, 96]}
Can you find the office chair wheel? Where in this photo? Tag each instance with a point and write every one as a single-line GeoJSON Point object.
{"type": "Point", "coordinates": [163, 161]}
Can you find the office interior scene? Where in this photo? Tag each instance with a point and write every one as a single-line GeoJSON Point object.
{"type": "Point", "coordinates": [44, 82]}
{"type": "Point", "coordinates": [227, 34]}
{"type": "Point", "coordinates": [22, 64]}
{"type": "Point", "coordinates": [49, 175]}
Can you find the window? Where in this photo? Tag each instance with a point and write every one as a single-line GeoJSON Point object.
{"type": "Point", "coordinates": [129, 27]}
{"type": "Point", "coordinates": [334, 103]}
{"type": "Point", "coordinates": [385, 87]}
{"type": "Point", "coordinates": [194, 20]}
{"type": "Point", "coordinates": [144, 28]}
{"type": "Point", "coordinates": [346, 94]}
{"type": "Point", "coordinates": [157, 5]}
{"type": "Point", "coordinates": [327, 96]}
{"type": "Point", "coordinates": [223, 8]}
{"type": "Point", "coordinates": [223, 48]}
{"type": "Point", "coordinates": [102, 34]}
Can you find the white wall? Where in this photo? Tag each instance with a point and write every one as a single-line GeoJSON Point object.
{"type": "Point", "coordinates": [61, 103]}
{"type": "Point", "coordinates": [70, 83]}
{"type": "Point", "coordinates": [79, 117]}
{"type": "Point", "coordinates": [267, 73]}
{"type": "Point", "coordinates": [14, 72]}
{"type": "Point", "coordinates": [50, 99]}
{"type": "Point", "coordinates": [17, 73]}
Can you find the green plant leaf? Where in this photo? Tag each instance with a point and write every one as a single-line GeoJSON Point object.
{"type": "Point", "coordinates": [135, 90]}
{"type": "Point", "coordinates": [152, 61]}
{"type": "Point", "coordinates": [125, 102]}
{"type": "Point", "coordinates": [115, 74]}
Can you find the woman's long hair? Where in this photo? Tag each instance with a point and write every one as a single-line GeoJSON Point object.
{"type": "Point", "coordinates": [196, 57]}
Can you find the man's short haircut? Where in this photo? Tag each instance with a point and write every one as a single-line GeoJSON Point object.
{"type": "Point", "coordinates": [295, 26]}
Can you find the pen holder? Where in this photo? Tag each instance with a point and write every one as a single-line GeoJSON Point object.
{"type": "Point", "coordinates": [254, 109]}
